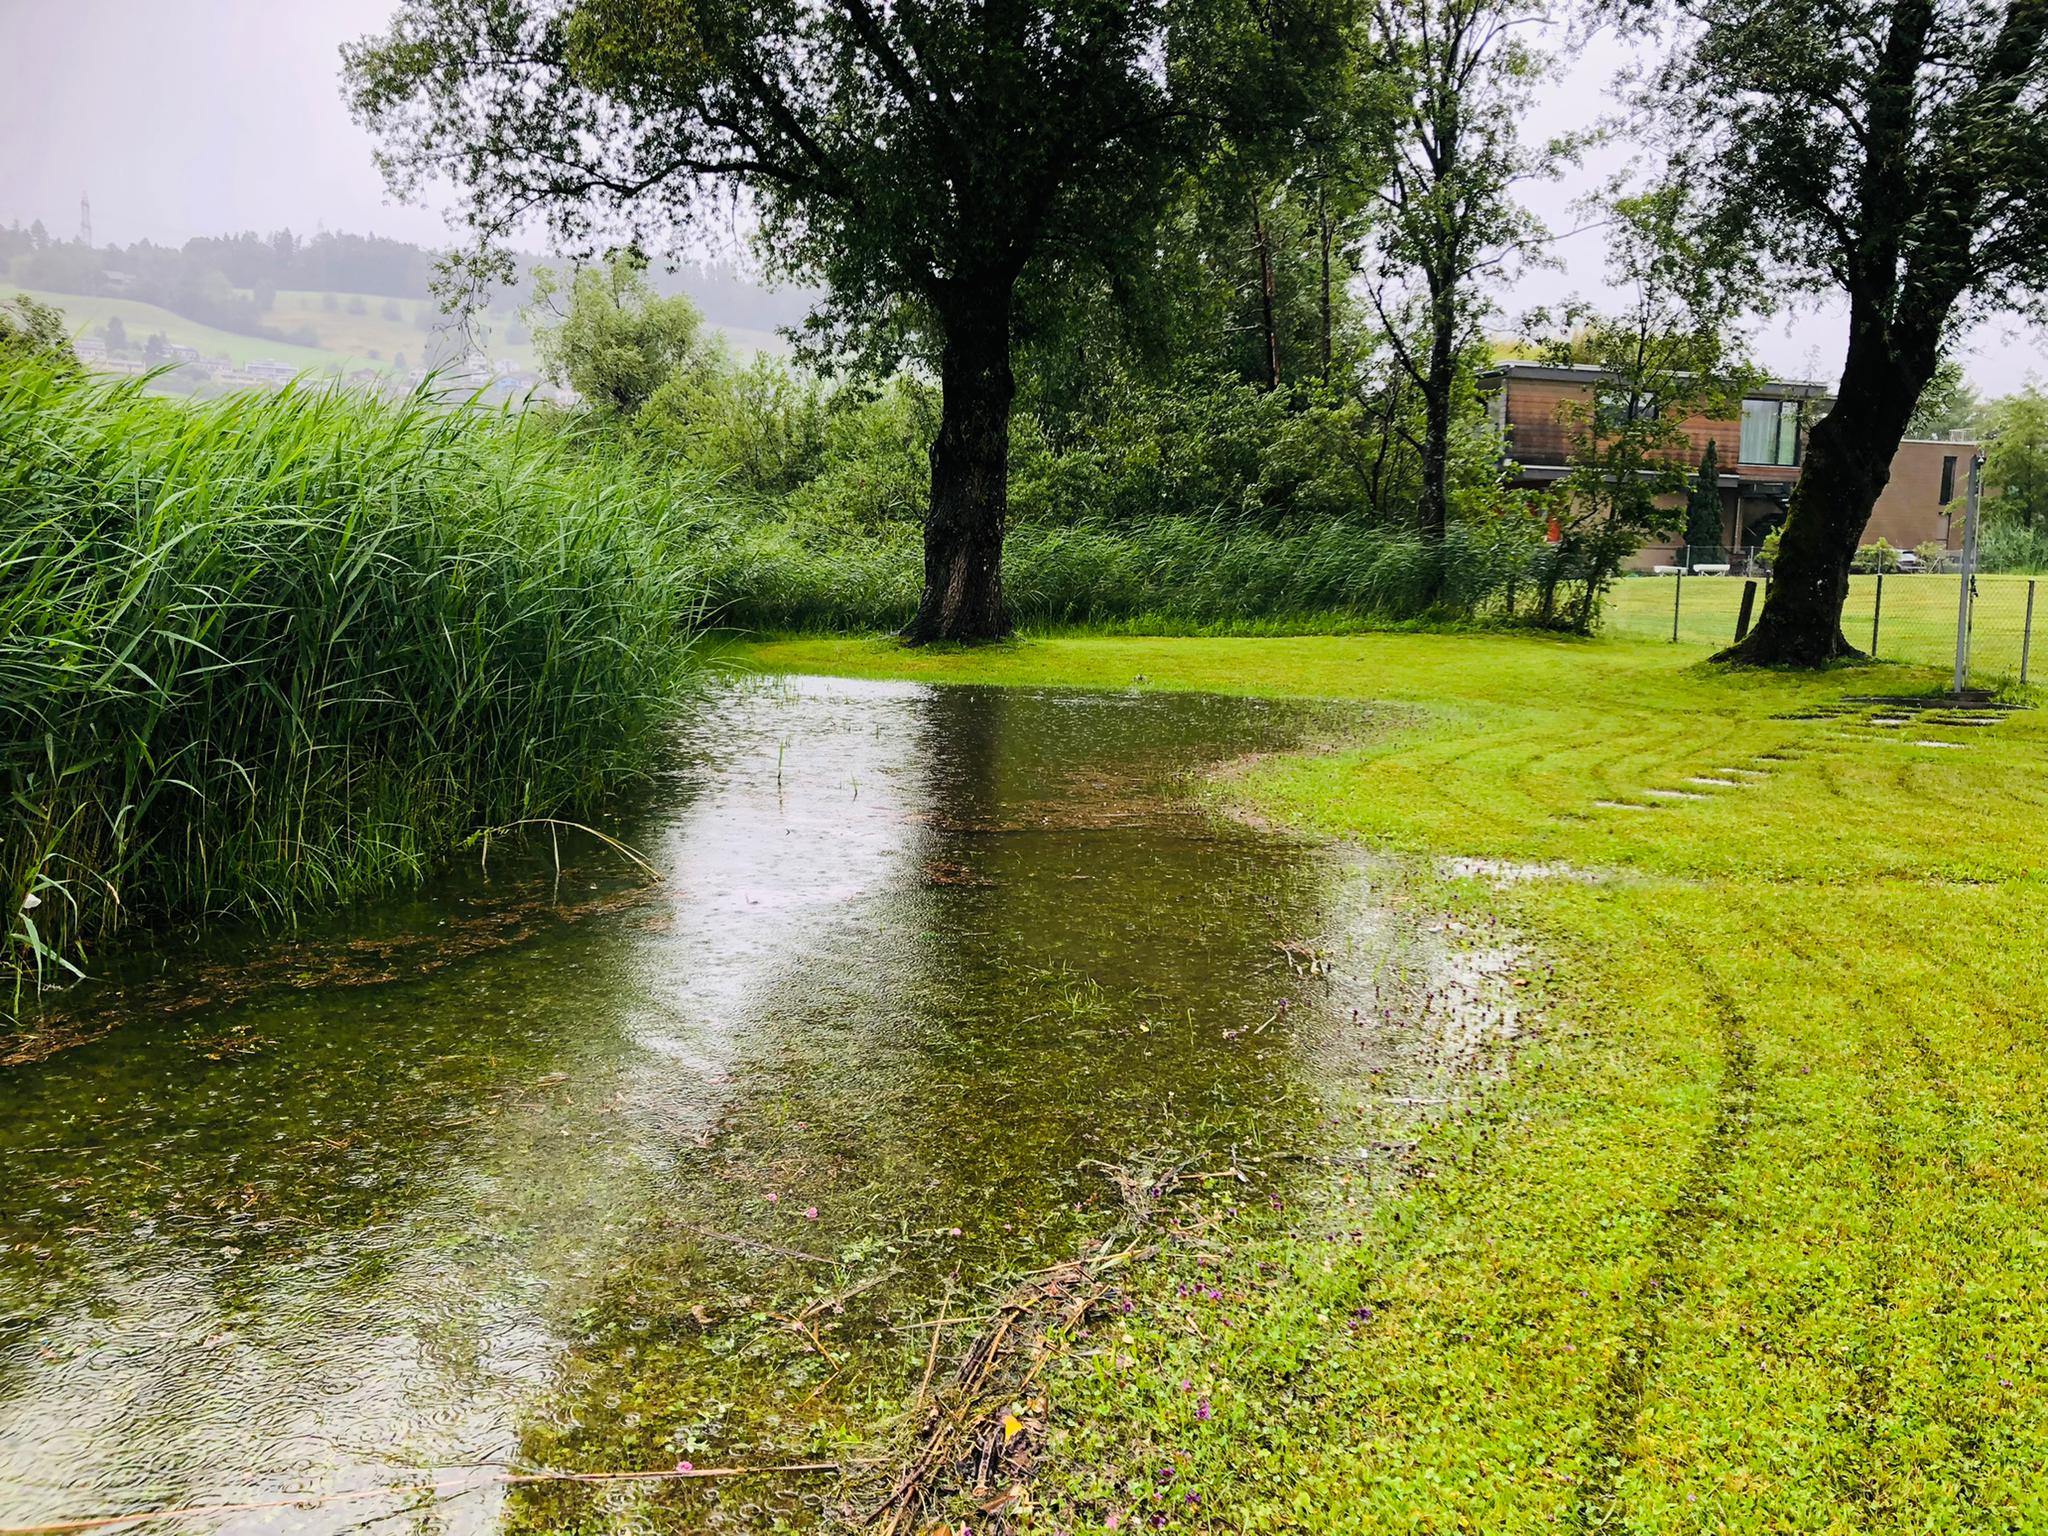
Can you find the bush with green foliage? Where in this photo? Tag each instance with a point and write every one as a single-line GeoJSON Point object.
{"type": "Point", "coordinates": [2010, 545]}
{"type": "Point", "coordinates": [32, 329]}
{"type": "Point", "coordinates": [2016, 467]}
{"type": "Point", "coordinates": [617, 342]}
{"type": "Point", "coordinates": [1202, 502]}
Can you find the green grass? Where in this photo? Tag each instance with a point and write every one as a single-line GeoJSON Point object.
{"type": "Point", "coordinates": [1917, 622]}
{"type": "Point", "coordinates": [284, 649]}
{"type": "Point", "coordinates": [1750, 1239]}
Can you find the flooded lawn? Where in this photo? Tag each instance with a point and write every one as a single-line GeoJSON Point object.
{"type": "Point", "coordinates": [586, 1173]}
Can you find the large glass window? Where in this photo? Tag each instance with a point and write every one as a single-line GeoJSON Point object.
{"type": "Point", "coordinates": [1616, 408]}
{"type": "Point", "coordinates": [1770, 432]}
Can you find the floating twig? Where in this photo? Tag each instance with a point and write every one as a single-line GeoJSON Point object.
{"type": "Point", "coordinates": [743, 1241]}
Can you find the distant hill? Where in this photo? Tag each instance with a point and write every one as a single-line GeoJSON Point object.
{"type": "Point", "coordinates": [333, 302]}
{"type": "Point", "coordinates": [88, 316]}
{"type": "Point", "coordinates": [365, 340]}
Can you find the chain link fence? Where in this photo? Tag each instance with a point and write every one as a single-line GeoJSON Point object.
{"type": "Point", "coordinates": [1908, 616]}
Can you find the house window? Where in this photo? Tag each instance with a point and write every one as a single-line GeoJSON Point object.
{"type": "Point", "coordinates": [1948, 478]}
{"type": "Point", "coordinates": [1619, 407]}
{"type": "Point", "coordinates": [1770, 432]}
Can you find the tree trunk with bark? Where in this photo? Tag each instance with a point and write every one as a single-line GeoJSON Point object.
{"type": "Point", "coordinates": [1439, 378]}
{"type": "Point", "coordinates": [970, 459]}
{"type": "Point", "coordinates": [1272, 331]}
{"type": "Point", "coordinates": [1324, 237]}
{"type": "Point", "coordinates": [1847, 463]}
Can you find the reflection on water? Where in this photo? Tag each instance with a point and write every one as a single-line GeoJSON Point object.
{"type": "Point", "coordinates": [925, 962]}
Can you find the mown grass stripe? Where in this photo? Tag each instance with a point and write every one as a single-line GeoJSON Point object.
{"type": "Point", "coordinates": [1702, 1200]}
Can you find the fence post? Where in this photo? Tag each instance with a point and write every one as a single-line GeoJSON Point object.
{"type": "Point", "coordinates": [1677, 587]}
{"type": "Point", "coordinates": [2027, 634]}
{"type": "Point", "coordinates": [1748, 603]}
{"type": "Point", "coordinates": [1876, 612]}
{"type": "Point", "coordinates": [1969, 572]}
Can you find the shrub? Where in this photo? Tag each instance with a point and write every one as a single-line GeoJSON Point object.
{"type": "Point", "coordinates": [2006, 544]}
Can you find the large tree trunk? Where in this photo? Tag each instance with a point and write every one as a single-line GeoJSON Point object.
{"type": "Point", "coordinates": [1847, 463]}
{"type": "Point", "coordinates": [963, 526]}
{"type": "Point", "coordinates": [1439, 378]}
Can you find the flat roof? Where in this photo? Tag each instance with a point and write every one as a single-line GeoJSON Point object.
{"type": "Point", "coordinates": [1799, 389]}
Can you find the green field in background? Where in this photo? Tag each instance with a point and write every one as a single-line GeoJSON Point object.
{"type": "Point", "coordinates": [1917, 622]}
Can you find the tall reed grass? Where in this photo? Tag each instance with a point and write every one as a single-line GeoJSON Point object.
{"type": "Point", "coordinates": [1169, 573]}
{"type": "Point", "coordinates": [2010, 545]}
{"type": "Point", "coordinates": [275, 651]}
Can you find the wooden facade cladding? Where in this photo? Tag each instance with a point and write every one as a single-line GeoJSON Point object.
{"type": "Point", "coordinates": [1539, 407]}
{"type": "Point", "coordinates": [1540, 416]}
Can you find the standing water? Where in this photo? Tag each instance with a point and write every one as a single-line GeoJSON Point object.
{"type": "Point", "coordinates": [544, 1170]}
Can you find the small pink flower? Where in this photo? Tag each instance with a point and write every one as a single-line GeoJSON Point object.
{"type": "Point", "coordinates": [684, 1466]}
{"type": "Point", "coordinates": [810, 1213]}
{"type": "Point", "coordinates": [773, 1197]}
{"type": "Point", "coordinates": [1112, 1521]}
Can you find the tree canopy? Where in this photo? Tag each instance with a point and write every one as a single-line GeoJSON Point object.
{"type": "Point", "coordinates": [2017, 465]}
{"type": "Point", "coordinates": [605, 332]}
{"type": "Point", "coordinates": [1895, 152]}
{"type": "Point", "coordinates": [926, 162]}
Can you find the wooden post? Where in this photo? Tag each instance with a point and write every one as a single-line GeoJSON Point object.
{"type": "Point", "coordinates": [2027, 634]}
{"type": "Point", "coordinates": [1965, 592]}
{"type": "Point", "coordinates": [1876, 612]}
{"type": "Point", "coordinates": [1677, 587]}
{"type": "Point", "coordinates": [1748, 607]}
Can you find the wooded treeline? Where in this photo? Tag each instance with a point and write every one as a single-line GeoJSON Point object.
{"type": "Point", "coordinates": [1096, 226]}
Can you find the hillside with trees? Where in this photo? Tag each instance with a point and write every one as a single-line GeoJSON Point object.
{"type": "Point", "coordinates": [306, 291]}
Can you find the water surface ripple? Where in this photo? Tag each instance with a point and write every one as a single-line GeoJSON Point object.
{"type": "Point", "coordinates": [535, 1169]}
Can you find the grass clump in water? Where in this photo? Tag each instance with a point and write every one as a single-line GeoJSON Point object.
{"type": "Point", "coordinates": [274, 651]}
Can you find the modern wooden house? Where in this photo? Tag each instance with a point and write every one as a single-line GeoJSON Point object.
{"type": "Point", "coordinates": [1759, 454]}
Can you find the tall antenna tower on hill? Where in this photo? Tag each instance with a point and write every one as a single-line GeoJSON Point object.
{"type": "Point", "coordinates": [85, 219]}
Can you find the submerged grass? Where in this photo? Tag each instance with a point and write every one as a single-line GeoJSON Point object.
{"type": "Point", "coordinates": [280, 650]}
{"type": "Point", "coordinates": [1751, 1240]}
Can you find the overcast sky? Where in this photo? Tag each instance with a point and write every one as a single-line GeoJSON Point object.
{"type": "Point", "coordinates": [188, 117]}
